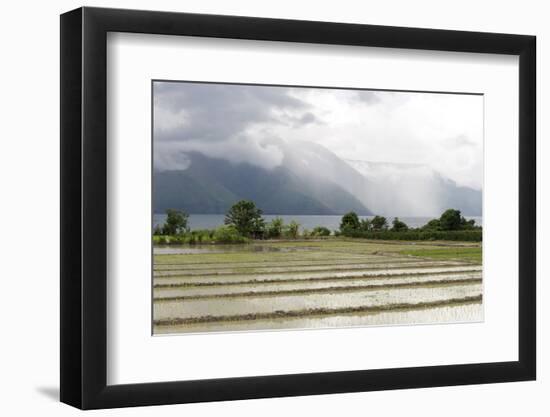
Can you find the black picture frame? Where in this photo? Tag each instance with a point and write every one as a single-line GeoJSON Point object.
{"type": "Point", "coordinates": [84, 207]}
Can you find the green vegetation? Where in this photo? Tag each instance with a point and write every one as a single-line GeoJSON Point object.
{"type": "Point", "coordinates": [349, 222]}
{"type": "Point", "coordinates": [416, 234]}
{"type": "Point", "coordinates": [223, 234]}
{"type": "Point", "coordinates": [399, 226]}
{"type": "Point", "coordinates": [346, 251]}
{"type": "Point", "coordinates": [450, 220]}
{"type": "Point", "coordinates": [291, 230]}
{"type": "Point", "coordinates": [244, 222]}
{"type": "Point", "coordinates": [320, 231]}
{"type": "Point", "coordinates": [473, 254]}
{"type": "Point", "coordinates": [246, 218]}
{"type": "Point", "coordinates": [176, 223]}
{"type": "Point", "coordinates": [274, 229]}
{"type": "Point", "coordinates": [379, 223]}
{"type": "Point", "coordinates": [450, 226]}
{"type": "Point", "coordinates": [228, 234]}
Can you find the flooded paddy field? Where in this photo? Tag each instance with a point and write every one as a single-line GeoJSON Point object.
{"type": "Point", "coordinates": [314, 284]}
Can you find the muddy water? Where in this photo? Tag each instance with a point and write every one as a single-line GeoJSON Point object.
{"type": "Point", "coordinates": [308, 268]}
{"type": "Point", "coordinates": [261, 286]}
{"type": "Point", "coordinates": [448, 314]}
{"type": "Point", "coordinates": [243, 257]}
{"type": "Point", "coordinates": [186, 250]}
{"type": "Point", "coordinates": [299, 262]}
{"type": "Point", "coordinates": [311, 275]}
{"type": "Point", "coordinates": [235, 306]}
{"type": "Point", "coordinates": [353, 282]}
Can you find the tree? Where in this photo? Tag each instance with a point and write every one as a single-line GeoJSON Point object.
{"type": "Point", "coordinates": [258, 228]}
{"type": "Point", "coordinates": [349, 221]}
{"type": "Point", "coordinates": [228, 234]}
{"type": "Point", "coordinates": [399, 226]}
{"type": "Point", "coordinates": [365, 225]}
{"type": "Point", "coordinates": [274, 228]}
{"type": "Point", "coordinates": [291, 230]}
{"type": "Point", "coordinates": [157, 230]}
{"type": "Point", "coordinates": [176, 222]}
{"type": "Point", "coordinates": [321, 231]}
{"type": "Point", "coordinates": [468, 224]}
{"type": "Point", "coordinates": [245, 217]}
{"type": "Point", "coordinates": [379, 223]}
{"type": "Point", "coordinates": [451, 220]}
{"type": "Point", "coordinates": [433, 224]}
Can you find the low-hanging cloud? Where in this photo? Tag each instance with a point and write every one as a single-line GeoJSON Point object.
{"type": "Point", "coordinates": [222, 121]}
{"type": "Point", "coordinates": [173, 155]}
{"type": "Point", "coordinates": [259, 124]}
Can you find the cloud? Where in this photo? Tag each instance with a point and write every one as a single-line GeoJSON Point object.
{"type": "Point", "coordinates": [172, 155]}
{"type": "Point", "coordinates": [215, 112]}
{"type": "Point", "coordinates": [460, 141]}
{"type": "Point", "coordinates": [225, 121]}
{"type": "Point", "coordinates": [244, 123]}
{"type": "Point", "coordinates": [368, 97]}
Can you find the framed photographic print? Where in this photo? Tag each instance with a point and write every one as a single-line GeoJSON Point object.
{"type": "Point", "coordinates": [258, 207]}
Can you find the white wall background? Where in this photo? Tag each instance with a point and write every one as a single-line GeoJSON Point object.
{"type": "Point", "coordinates": [29, 175]}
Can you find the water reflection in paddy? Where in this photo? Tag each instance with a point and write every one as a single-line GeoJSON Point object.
{"type": "Point", "coordinates": [188, 250]}
{"type": "Point", "coordinates": [447, 315]}
{"type": "Point", "coordinates": [255, 305]}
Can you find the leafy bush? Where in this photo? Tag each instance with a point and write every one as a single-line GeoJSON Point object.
{"type": "Point", "coordinates": [365, 225]}
{"type": "Point", "coordinates": [177, 240]}
{"type": "Point", "coordinates": [320, 231]}
{"type": "Point", "coordinates": [419, 234]}
{"type": "Point", "coordinates": [451, 219]}
{"type": "Point", "coordinates": [203, 235]}
{"type": "Point", "coordinates": [350, 221]}
{"type": "Point", "coordinates": [228, 234]}
{"type": "Point", "coordinates": [433, 224]}
{"type": "Point", "coordinates": [224, 234]}
{"type": "Point", "coordinates": [291, 230]}
{"type": "Point", "coordinates": [399, 226]}
{"type": "Point", "coordinates": [176, 222]}
{"type": "Point", "coordinates": [274, 229]}
{"type": "Point", "coordinates": [379, 223]}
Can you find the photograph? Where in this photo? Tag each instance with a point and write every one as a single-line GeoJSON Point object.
{"type": "Point", "coordinates": [296, 207]}
{"type": "Point", "coordinates": [281, 205]}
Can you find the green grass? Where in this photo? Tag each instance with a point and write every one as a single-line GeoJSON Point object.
{"type": "Point", "coordinates": [334, 248]}
{"type": "Point", "coordinates": [472, 254]}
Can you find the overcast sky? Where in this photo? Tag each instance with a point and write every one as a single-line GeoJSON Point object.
{"type": "Point", "coordinates": [235, 122]}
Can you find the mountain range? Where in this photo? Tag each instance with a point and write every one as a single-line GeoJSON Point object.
{"type": "Point", "coordinates": [310, 180]}
{"type": "Point", "coordinates": [415, 190]}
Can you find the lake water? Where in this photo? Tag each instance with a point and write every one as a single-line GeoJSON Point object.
{"type": "Point", "coordinates": [211, 221]}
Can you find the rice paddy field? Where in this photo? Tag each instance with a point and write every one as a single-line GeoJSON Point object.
{"type": "Point", "coordinates": [306, 284]}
